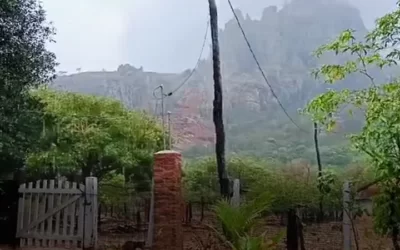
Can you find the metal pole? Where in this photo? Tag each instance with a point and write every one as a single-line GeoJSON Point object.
{"type": "Point", "coordinates": [321, 197]}
{"type": "Point", "coordinates": [162, 114]}
{"type": "Point", "coordinates": [346, 216]}
{"type": "Point", "coordinates": [169, 130]}
{"type": "Point", "coordinates": [150, 229]}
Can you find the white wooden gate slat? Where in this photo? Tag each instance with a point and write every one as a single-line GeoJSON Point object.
{"type": "Point", "coordinates": [52, 211]}
{"type": "Point", "coordinates": [72, 218]}
{"type": "Point", "coordinates": [36, 214]}
{"type": "Point", "coordinates": [58, 215]}
{"type": "Point", "coordinates": [30, 186]}
{"type": "Point", "coordinates": [43, 211]}
{"type": "Point", "coordinates": [65, 221]}
{"type": "Point", "coordinates": [81, 213]}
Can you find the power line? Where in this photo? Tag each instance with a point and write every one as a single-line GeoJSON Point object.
{"type": "Point", "coordinates": [197, 63]}
{"type": "Point", "coordinates": [261, 70]}
{"type": "Point", "coordinates": [192, 71]}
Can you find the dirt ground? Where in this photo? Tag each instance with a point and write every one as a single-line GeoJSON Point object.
{"type": "Point", "coordinates": [114, 233]}
{"type": "Point", "coordinates": [197, 236]}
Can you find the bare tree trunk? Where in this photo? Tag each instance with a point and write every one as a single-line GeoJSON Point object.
{"type": "Point", "coordinates": [321, 211]}
{"type": "Point", "coordinates": [395, 234]}
{"type": "Point", "coordinates": [218, 105]}
{"type": "Point", "coordinates": [395, 229]}
{"type": "Point", "coordinates": [300, 230]}
{"type": "Point", "coordinates": [292, 242]}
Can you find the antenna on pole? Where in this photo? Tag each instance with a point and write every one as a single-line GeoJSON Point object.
{"type": "Point", "coordinates": [161, 87]}
{"type": "Point", "coordinates": [169, 130]}
{"type": "Point", "coordinates": [162, 114]}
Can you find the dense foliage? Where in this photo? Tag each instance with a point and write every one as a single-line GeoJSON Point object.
{"type": "Point", "coordinates": [379, 137]}
{"type": "Point", "coordinates": [24, 63]}
{"type": "Point", "coordinates": [239, 232]}
{"type": "Point", "coordinates": [93, 135]}
{"type": "Point", "coordinates": [288, 185]}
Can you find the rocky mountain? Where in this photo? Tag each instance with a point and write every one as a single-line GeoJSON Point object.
{"type": "Point", "coordinates": [283, 41]}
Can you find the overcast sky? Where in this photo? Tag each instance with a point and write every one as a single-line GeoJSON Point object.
{"type": "Point", "coordinates": [160, 35]}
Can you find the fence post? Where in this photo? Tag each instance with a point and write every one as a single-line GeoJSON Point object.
{"type": "Point", "coordinates": [346, 217]}
{"type": "Point", "coordinates": [150, 230]}
{"type": "Point", "coordinates": [90, 217]}
{"type": "Point", "coordinates": [235, 201]}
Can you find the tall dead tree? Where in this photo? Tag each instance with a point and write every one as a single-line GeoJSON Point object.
{"type": "Point", "coordinates": [321, 211]}
{"type": "Point", "coordinates": [218, 104]}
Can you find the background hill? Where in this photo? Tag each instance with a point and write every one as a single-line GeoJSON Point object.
{"type": "Point", "coordinates": [283, 41]}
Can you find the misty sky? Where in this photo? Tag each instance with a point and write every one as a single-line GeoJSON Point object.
{"type": "Point", "coordinates": [160, 35]}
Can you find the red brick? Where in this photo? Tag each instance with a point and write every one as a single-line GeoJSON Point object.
{"type": "Point", "coordinates": [168, 199]}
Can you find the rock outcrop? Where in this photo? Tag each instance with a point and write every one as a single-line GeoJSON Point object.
{"type": "Point", "coordinates": [283, 41]}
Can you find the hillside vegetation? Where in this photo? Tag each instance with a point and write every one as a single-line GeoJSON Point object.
{"type": "Point", "coordinates": [283, 41]}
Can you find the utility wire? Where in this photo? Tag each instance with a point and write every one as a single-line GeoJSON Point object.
{"type": "Point", "coordinates": [197, 63]}
{"type": "Point", "coordinates": [261, 70]}
{"type": "Point", "coordinates": [192, 71]}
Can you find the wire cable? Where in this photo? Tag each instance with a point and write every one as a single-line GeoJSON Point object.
{"type": "Point", "coordinates": [192, 71]}
{"type": "Point", "coordinates": [260, 68]}
{"type": "Point", "coordinates": [197, 63]}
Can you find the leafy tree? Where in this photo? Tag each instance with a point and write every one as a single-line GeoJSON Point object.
{"type": "Point", "coordinates": [24, 64]}
{"type": "Point", "coordinates": [113, 189]}
{"type": "Point", "coordinates": [380, 135]}
{"type": "Point", "coordinates": [95, 136]}
{"type": "Point", "coordinates": [201, 184]}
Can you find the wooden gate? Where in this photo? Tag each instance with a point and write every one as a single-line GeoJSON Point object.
{"type": "Point", "coordinates": [57, 214]}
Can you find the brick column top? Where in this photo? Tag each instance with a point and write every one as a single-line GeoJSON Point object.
{"type": "Point", "coordinates": [163, 152]}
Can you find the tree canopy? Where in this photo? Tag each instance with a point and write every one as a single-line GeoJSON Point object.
{"type": "Point", "coordinates": [94, 135]}
{"type": "Point", "coordinates": [24, 63]}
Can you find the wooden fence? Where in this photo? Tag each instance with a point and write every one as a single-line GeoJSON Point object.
{"type": "Point", "coordinates": [134, 210]}
{"type": "Point", "coordinates": [58, 214]}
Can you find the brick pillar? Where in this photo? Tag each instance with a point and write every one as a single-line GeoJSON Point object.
{"type": "Point", "coordinates": [168, 231]}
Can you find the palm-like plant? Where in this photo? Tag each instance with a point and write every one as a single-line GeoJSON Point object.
{"type": "Point", "coordinates": [238, 224]}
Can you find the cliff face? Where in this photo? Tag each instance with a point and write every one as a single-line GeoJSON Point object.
{"type": "Point", "coordinates": [283, 42]}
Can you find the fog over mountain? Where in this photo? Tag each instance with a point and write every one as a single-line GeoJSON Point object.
{"type": "Point", "coordinates": [283, 39]}
{"type": "Point", "coordinates": [161, 36]}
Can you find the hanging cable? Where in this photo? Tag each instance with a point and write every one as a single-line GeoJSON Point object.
{"type": "Point", "coordinates": [197, 63]}
{"type": "Point", "coordinates": [191, 72]}
{"type": "Point", "coordinates": [260, 68]}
